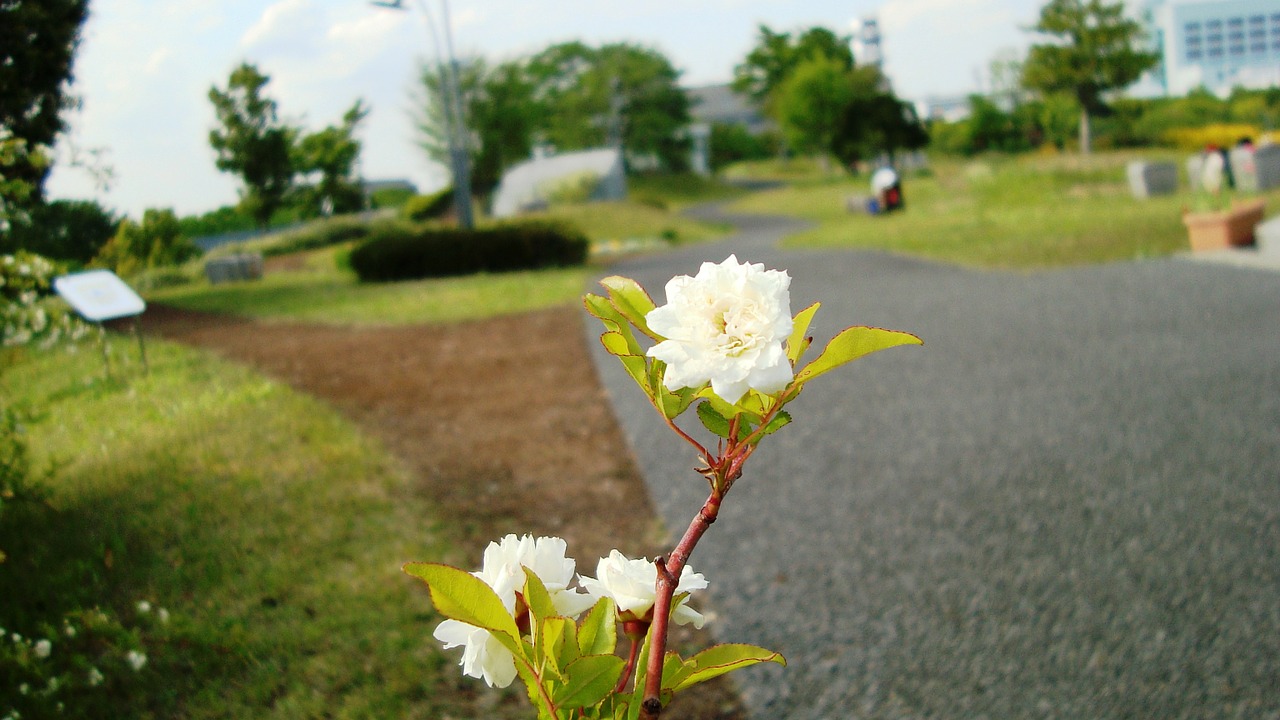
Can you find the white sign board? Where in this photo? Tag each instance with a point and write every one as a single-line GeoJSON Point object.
{"type": "Point", "coordinates": [99, 295]}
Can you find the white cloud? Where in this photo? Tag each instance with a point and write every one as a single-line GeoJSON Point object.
{"type": "Point", "coordinates": [157, 61]}
{"type": "Point", "coordinates": [288, 23]}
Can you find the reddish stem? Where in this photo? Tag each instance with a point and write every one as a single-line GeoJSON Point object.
{"type": "Point", "coordinates": [632, 655]}
{"type": "Point", "coordinates": [669, 570]}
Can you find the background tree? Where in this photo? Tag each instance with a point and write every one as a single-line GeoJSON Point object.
{"type": "Point", "coordinates": [68, 230]}
{"type": "Point", "coordinates": [38, 41]}
{"type": "Point", "coordinates": [619, 92]}
{"type": "Point", "coordinates": [331, 154]}
{"type": "Point", "coordinates": [156, 242]}
{"type": "Point", "coordinates": [501, 118]}
{"type": "Point", "coordinates": [875, 121]}
{"type": "Point", "coordinates": [810, 103]}
{"type": "Point", "coordinates": [776, 56]}
{"type": "Point", "coordinates": [252, 142]}
{"type": "Point", "coordinates": [1093, 49]}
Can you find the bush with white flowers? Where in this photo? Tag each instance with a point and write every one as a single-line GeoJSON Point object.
{"type": "Point", "coordinates": [726, 345]}
{"type": "Point", "coordinates": [25, 280]}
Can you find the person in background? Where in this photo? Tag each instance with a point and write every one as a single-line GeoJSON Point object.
{"type": "Point", "coordinates": [886, 190]}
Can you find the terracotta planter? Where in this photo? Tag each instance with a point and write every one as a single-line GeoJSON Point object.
{"type": "Point", "coordinates": [1223, 229]}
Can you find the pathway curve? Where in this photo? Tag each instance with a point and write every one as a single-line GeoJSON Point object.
{"type": "Point", "coordinates": [1066, 504]}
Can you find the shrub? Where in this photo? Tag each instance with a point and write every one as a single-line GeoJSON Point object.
{"type": "Point", "coordinates": [157, 241]}
{"type": "Point", "coordinates": [421, 208]}
{"type": "Point", "coordinates": [399, 251]}
{"type": "Point", "coordinates": [319, 234]}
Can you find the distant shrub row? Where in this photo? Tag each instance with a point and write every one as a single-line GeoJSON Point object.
{"type": "Point", "coordinates": [319, 234]}
{"type": "Point", "coordinates": [400, 251]}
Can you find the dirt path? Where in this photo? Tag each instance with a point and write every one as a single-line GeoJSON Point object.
{"type": "Point", "coordinates": [503, 422]}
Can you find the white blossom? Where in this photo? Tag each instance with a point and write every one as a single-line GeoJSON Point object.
{"type": "Point", "coordinates": [163, 615]}
{"type": "Point", "coordinates": [42, 648]}
{"type": "Point", "coordinates": [136, 660]}
{"type": "Point", "coordinates": [144, 607]}
{"type": "Point", "coordinates": [95, 677]}
{"type": "Point", "coordinates": [503, 571]}
{"type": "Point", "coordinates": [726, 326]}
{"type": "Point", "coordinates": [632, 585]}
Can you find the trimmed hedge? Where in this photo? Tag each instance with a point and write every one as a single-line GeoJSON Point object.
{"type": "Point", "coordinates": [400, 251]}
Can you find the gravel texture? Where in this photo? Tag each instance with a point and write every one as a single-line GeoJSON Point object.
{"type": "Point", "coordinates": [1065, 505]}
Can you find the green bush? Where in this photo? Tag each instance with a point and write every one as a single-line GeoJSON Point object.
{"type": "Point", "coordinates": [421, 208]}
{"type": "Point", "coordinates": [319, 234]}
{"type": "Point", "coordinates": [399, 251]}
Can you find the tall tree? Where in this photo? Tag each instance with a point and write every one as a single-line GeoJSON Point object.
{"type": "Point", "coordinates": [252, 142]}
{"type": "Point", "coordinates": [499, 110]}
{"type": "Point", "coordinates": [776, 55]}
{"type": "Point", "coordinates": [331, 154]}
{"type": "Point", "coordinates": [810, 103]}
{"type": "Point", "coordinates": [616, 93]}
{"type": "Point", "coordinates": [875, 121]}
{"type": "Point", "coordinates": [1093, 49]}
{"type": "Point", "coordinates": [38, 41]}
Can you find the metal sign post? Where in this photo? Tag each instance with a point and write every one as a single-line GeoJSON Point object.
{"type": "Point", "coordinates": [98, 296]}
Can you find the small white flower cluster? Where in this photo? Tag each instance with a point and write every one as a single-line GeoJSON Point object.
{"type": "Point", "coordinates": [621, 579]}
{"type": "Point", "coordinates": [145, 608]}
{"type": "Point", "coordinates": [23, 278]}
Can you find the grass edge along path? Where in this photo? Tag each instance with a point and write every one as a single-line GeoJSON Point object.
{"type": "Point", "coordinates": [270, 527]}
{"type": "Point", "coordinates": [1020, 213]}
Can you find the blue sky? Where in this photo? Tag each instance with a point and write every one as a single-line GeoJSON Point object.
{"type": "Point", "coordinates": [145, 68]}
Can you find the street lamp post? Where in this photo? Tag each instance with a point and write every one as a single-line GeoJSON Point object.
{"type": "Point", "coordinates": [455, 124]}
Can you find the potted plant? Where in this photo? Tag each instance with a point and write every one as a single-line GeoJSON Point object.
{"type": "Point", "coordinates": [1223, 224]}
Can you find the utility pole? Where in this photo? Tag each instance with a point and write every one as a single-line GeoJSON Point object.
{"type": "Point", "coordinates": [454, 115]}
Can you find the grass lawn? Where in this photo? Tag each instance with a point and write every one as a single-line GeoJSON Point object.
{"type": "Point", "coordinates": [323, 292]}
{"type": "Point", "coordinates": [1027, 211]}
{"type": "Point", "coordinates": [269, 527]}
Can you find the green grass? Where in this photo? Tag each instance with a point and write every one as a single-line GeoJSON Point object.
{"type": "Point", "coordinates": [623, 220]}
{"type": "Point", "coordinates": [271, 528]}
{"type": "Point", "coordinates": [1004, 212]}
{"type": "Point", "coordinates": [324, 293]}
{"type": "Point", "coordinates": [680, 191]}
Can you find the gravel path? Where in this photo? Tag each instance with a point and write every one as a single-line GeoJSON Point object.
{"type": "Point", "coordinates": [1065, 505]}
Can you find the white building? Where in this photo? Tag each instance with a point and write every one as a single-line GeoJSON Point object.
{"type": "Point", "coordinates": [1218, 44]}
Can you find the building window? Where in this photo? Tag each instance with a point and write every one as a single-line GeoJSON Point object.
{"type": "Point", "coordinates": [1237, 49]}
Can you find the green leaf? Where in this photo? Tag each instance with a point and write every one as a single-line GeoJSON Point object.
{"type": "Point", "coordinates": [598, 631]}
{"type": "Point", "coordinates": [779, 421]}
{"type": "Point", "coordinates": [461, 596]}
{"type": "Point", "coordinates": [720, 659]}
{"type": "Point", "coordinates": [799, 340]}
{"type": "Point", "coordinates": [549, 645]}
{"type": "Point", "coordinates": [674, 671]}
{"type": "Point", "coordinates": [713, 420]}
{"type": "Point", "coordinates": [851, 344]}
{"type": "Point", "coordinates": [588, 680]}
{"type": "Point", "coordinates": [632, 301]}
{"type": "Point", "coordinates": [537, 597]}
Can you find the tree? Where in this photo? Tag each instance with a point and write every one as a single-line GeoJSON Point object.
{"type": "Point", "coordinates": [499, 110]}
{"type": "Point", "coordinates": [157, 241]}
{"type": "Point", "coordinates": [617, 94]}
{"type": "Point", "coordinates": [332, 153]}
{"type": "Point", "coordinates": [776, 56]}
{"type": "Point", "coordinates": [252, 142]}
{"type": "Point", "coordinates": [875, 121]}
{"type": "Point", "coordinates": [38, 41]}
{"type": "Point", "coordinates": [810, 103]}
{"type": "Point", "coordinates": [1093, 50]}
{"type": "Point", "coordinates": [71, 230]}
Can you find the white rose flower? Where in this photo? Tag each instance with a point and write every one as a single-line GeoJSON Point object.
{"type": "Point", "coordinates": [136, 660]}
{"type": "Point", "coordinates": [632, 585]}
{"type": "Point", "coordinates": [726, 326]}
{"type": "Point", "coordinates": [144, 607]}
{"type": "Point", "coordinates": [503, 571]}
{"type": "Point", "coordinates": [95, 677]}
{"type": "Point", "coordinates": [43, 648]}
{"type": "Point", "coordinates": [483, 656]}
